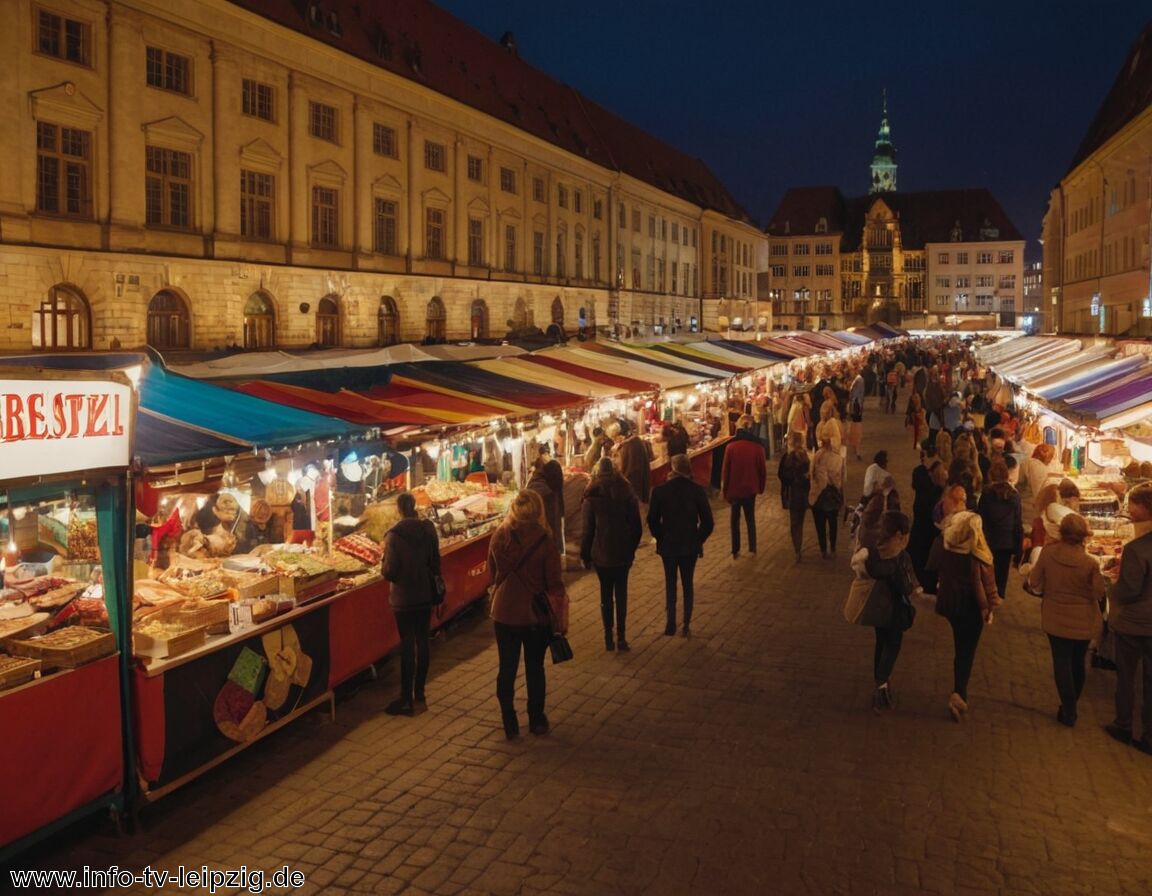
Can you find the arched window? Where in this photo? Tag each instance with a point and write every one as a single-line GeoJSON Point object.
{"type": "Point", "coordinates": [328, 322]}
{"type": "Point", "coordinates": [479, 319]}
{"type": "Point", "coordinates": [435, 323]}
{"type": "Point", "coordinates": [388, 322]}
{"type": "Point", "coordinates": [259, 321]}
{"type": "Point", "coordinates": [557, 311]}
{"type": "Point", "coordinates": [169, 325]}
{"type": "Point", "coordinates": [519, 315]}
{"type": "Point", "coordinates": [62, 321]}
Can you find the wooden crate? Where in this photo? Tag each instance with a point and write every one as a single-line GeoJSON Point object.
{"type": "Point", "coordinates": [212, 614]}
{"type": "Point", "coordinates": [158, 648]}
{"type": "Point", "coordinates": [305, 588]}
{"type": "Point", "coordinates": [17, 670]}
{"type": "Point", "coordinates": [65, 648]}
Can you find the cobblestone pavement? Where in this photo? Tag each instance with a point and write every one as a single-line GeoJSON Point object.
{"type": "Point", "coordinates": [745, 760]}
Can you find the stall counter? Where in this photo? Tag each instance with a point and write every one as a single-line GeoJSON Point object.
{"type": "Point", "coordinates": [705, 462]}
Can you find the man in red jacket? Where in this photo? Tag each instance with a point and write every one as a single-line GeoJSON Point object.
{"type": "Point", "coordinates": [742, 477]}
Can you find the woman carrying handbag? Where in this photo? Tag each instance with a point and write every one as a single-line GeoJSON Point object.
{"type": "Point", "coordinates": [524, 562]}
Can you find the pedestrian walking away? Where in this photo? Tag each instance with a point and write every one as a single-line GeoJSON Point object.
{"type": "Point", "coordinates": [523, 562]}
{"type": "Point", "coordinates": [795, 487]}
{"type": "Point", "coordinates": [612, 531]}
{"type": "Point", "coordinates": [680, 520]}
{"type": "Point", "coordinates": [827, 496]}
{"type": "Point", "coordinates": [411, 560]}
{"type": "Point", "coordinates": [743, 476]}
{"type": "Point", "coordinates": [966, 596]}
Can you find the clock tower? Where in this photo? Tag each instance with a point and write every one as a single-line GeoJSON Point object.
{"type": "Point", "coordinates": [884, 158]}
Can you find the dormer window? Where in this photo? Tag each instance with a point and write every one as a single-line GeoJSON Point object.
{"type": "Point", "coordinates": [334, 25]}
{"type": "Point", "coordinates": [822, 225]}
{"type": "Point", "coordinates": [315, 15]}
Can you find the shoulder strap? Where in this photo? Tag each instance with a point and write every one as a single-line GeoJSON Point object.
{"type": "Point", "coordinates": [523, 557]}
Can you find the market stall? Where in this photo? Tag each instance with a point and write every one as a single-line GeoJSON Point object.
{"type": "Point", "coordinates": [64, 452]}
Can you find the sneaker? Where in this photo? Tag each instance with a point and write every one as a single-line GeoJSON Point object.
{"type": "Point", "coordinates": [399, 707]}
{"type": "Point", "coordinates": [1114, 731]}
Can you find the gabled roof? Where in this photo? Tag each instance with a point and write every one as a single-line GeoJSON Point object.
{"type": "Point", "coordinates": [425, 44]}
{"type": "Point", "coordinates": [1130, 95]}
{"type": "Point", "coordinates": [925, 217]}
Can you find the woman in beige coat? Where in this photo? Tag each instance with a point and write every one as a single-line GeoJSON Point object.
{"type": "Point", "coordinates": [1072, 587]}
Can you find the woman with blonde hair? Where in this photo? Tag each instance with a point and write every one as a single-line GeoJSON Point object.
{"type": "Point", "coordinates": [1034, 474]}
{"type": "Point", "coordinates": [829, 427]}
{"type": "Point", "coordinates": [523, 562]}
{"type": "Point", "coordinates": [914, 418]}
{"type": "Point", "coordinates": [944, 446]}
{"type": "Point", "coordinates": [1071, 586]}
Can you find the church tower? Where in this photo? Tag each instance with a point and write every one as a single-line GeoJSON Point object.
{"type": "Point", "coordinates": [884, 158]}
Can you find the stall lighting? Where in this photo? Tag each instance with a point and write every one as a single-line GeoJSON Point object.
{"type": "Point", "coordinates": [293, 476]}
{"type": "Point", "coordinates": [267, 475]}
{"type": "Point", "coordinates": [201, 500]}
{"type": "Point", "coordinates": [19, 513]}
{"type": "Point", "coordinates": [433, 449]}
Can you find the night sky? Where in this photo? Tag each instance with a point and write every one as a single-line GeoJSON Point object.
{"type": "Point", "coordinates": [774, 94]}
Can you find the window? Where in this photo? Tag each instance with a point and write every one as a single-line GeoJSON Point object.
{"type": "Point", "coordinates": [475, 169]}
{"type": "Point", "coordinates": [595, 272]}
{"type": "Point", "coordinates": [259, 322]}
{"type": "Point", "coordinates": [963, 282]}
{"type": "Point", "coordinates": [824, 270]}
{"type": "Point", "coordinates": [1007, 281]}
{"type": "Point", "coordinates": [507, 180]}
{"type": "Point", "coordinates": [435, 323]}
{"type": "Point", "coordinates": [636, 220]}
{"type": "Point", "coordinates": [942, 258]}
{"type": "Point", "coordinates": [651, 272]}
{"type": "Point", "coordinates": [675, 232]}
{"type": "Point", "coordinates": [983, 258]}
{"type": "Point", "coordinates": [434, 233]}
{"type": "Point", "coordinates": [779, 270]}
{"type": "Point", "coordinates": [168, 188]}
{"type": "Point", "coordinates": [674, 267]}
{"type": "Point", "coordinates": [961, 258]}
{"type": "Point", "coordinates": [258, 100]}
{"type": "Point", "coordinates": [652, 226]}
{"type": "Point", "coordinates": [1006, 256]}
{"type": "Point", "coordinates": [325, 217]}
{"type": "Point", "coordinates": [63, 181]}
{"type": "Point", "coordinates": [578, 256]}
{"type": "Point", "coordinates": [562, 196]}
{"type": "Point", "coordinates": [775, 250]}
{"type": "Point", "coordinates": [943, 282]}
{"type": "Point", "coordinates": [823, 248]}
{"type": "Point", "coordinates": [257, 195]}
{"type": "Point", "coordinates": [64, 38]}
{"type": "Point", "coordinates": [800, 270]}
{"type": "Point", "coordinates": [694, 243]}
{"type": "Point", "coordinates": [384, 226]}
{"type": "Point", "coordinates": [168, 323]}
{"type": "Point", "coordinates": [387, 322]}
{"type": "Point", "coordinates": [983, 300]}
{"type": "Point", "coordinates": [322, 122]}
{"type": "Point", "coordinates": [800, 249]}
{"type": "Point", "coordinates": [561, 254]}
{"type": "Point", "coordinates": [475, 242]}
{"type": "Point", "coordinates": [434, 156]}
{"type": "Point", "coordinates": [478, 319]}
{"type": "Point", "coordinates": [598, 209]}
{"type": "Point", "coordinates": [578, 202]}
{"type": "Point", "coordinates": [623, 217]}
{"type": "Point", "coordinates": [168, 71]}
{"type": "Point", "coordinates": [62, 320]}
{"type": "Point", "coordinates": [538, 253]}
{"type": "Point", "coordinates": [328, 322]}
{"type": "Point", "coordinates": [983, 280]}
{"type": "Point", "coordinates": [538, 189]}
{"type": "Point", "coordinates": [510, 247]}
{"type": "Point", "coordinates": [383, 140]}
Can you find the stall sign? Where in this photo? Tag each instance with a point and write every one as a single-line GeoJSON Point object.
{"type": "Point", "coordinates": [62, 426]}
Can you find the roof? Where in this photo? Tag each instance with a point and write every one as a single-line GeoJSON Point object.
{"type": "Point", "coordinates": [1130, 95]}
{"type": "Point", "coordinates": [925, 217]}
{"type": "Point", "coordinates": [427, 45]}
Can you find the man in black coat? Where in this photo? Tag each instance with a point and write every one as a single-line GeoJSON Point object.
{"type": "Point", "coordinates": [680, 520]}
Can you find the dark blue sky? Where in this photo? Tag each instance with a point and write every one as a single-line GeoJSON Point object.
{"type": "Point", "coordinates": [773, 94]}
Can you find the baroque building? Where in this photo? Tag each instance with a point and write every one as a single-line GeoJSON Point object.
{"type": "Point", "coordinates": [923, 259]}
{"type": "Point", "coordinates": [265, 173]}
{"type": "Point", "coordinates": [1097, 270]}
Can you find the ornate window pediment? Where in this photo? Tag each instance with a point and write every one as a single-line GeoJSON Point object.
{"type": "Point", "coordinates": [172, 131]}
{"type": "Point", "coordinates": [260, 154]}
{"type": "Point", "coordinates": [64, 103]}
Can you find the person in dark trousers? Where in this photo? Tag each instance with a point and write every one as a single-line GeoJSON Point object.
{"type": "Point", "coordinates": [523, 562]}
{"type": "Point", "coordinates": [795, 486]}
{"type": "Point", "coordinates": [966, 596]}
{"type": "Point", "coordinates": [889, 565]}
{"type": "Point", "coordinates": [553, 474]}
{"type": "Point", "coordinates": [1000, 511]}
{"type": "Point", "coordinates": [1072, 589]}
{"type": "Point", "coordinates": [743, 476]}
{"type": "Point", "coordinates": [1130, 619]}
{"type": "Point", "coordinates": [681, 521]}
{"type": "Point", "coordinates": [612, 532]}
{"type": "Point", "coordinates": [633, 458]}
{"type": "Point", "coordinates": [411, 558]}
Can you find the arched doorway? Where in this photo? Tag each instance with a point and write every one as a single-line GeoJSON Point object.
{"type": "Point", "coordinates": [169, 325]}
{"type": "Point", "coordinates": [479, 319]}
{"type": "Point", "coordinates": [435, 321]}
{"type": "Point", "coordinates": [519, 315]}
{"type": "Point", "coordinates": [388, 322]}
{"type": "Point", "coordinates": [259, 321]}
{"type": "Point", "coordinates": [558, 311]}
{"type": "Point", "coordinates": [62, 320]}
{"type": "Point", "coordinates": [328, 322]}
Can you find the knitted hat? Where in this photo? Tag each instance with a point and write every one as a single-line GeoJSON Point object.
{"type": "Point", "coordinates": [965, 535]}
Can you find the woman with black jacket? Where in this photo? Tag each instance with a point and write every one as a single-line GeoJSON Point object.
{"type": "Point", "coordinates": [411, 558]}
{"type": "Point", "coordinates": [1003, 517]}
{"type": "Point", "coordinates": [795, 485]}
{"type": "Point", "coordinates": [612, 531]}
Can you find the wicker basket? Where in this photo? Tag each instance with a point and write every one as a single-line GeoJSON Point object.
{"type": "Point", "coordinates": [159, 648]}
{"type": "Point", "coordinates": [17, 670]}
{"type": "Point", "coordinates": [65, 648]}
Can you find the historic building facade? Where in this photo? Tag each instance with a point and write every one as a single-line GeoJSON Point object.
{"type": "Point", "coordinates": [1097, 268]}
{"type": "Point", "coordinates": [269, 173]}
{"type": "Point", "coordinates": [926, 259]}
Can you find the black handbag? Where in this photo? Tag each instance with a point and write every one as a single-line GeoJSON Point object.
{"type": "Point", "coordinates": [830, 500]}
{"type": "Point", "coordinates": [439, 588]}
{"type": "Point", "coordinates": [558, 646]}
